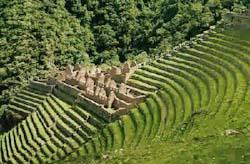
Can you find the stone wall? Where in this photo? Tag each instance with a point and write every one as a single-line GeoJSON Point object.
{"type": "Point", "coordinates": [104, 93]}
{"type": "Point", "coordinates": [64, 96]}
{"type": "Point", "coordinates": [41, 86]}
{"type": "Point", "coordinates": [94, 107]}
{"type": "Point", "coordinates": [104, 87]}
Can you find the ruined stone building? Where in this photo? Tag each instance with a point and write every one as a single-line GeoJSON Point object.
{"type": "Point", "coordinates": [104, 89]}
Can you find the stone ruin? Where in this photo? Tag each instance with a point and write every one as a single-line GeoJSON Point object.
{"type": "Point", "coordinates": [107, 88]}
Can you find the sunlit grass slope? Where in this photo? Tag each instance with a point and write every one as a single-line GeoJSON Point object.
{"type": "Point", "coordinates": [199, 112]}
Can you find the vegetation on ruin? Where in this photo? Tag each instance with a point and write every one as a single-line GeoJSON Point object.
{"type": "Point", "coordinates": [198, 97]}
{"type": "Point", "coordinates": [211, 134]}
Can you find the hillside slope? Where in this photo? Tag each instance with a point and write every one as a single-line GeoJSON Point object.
{"type": "Point", "coordinates": [199, 114]}
{"type": "Point", "coordinates": [196, 95]}
{"type": "Point", "coordinates": [37, 36]}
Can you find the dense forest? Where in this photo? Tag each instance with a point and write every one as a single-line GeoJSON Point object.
{"type": "Point", "coordinates": [37, 36]}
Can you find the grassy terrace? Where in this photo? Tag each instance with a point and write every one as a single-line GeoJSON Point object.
{"type": "Point", "coordinates": [50, 131]}
{"type": "Point", "coordinates": [197, 111]}
{"type": "Point", "coordinates": [200, 112]}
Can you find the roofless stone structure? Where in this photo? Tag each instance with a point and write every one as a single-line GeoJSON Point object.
{"type": "Point", "coordinates": [103, 91]}
{"type": "Point", "coordinates": [74, 113]}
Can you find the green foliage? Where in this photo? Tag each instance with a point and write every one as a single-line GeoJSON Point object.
{"type": "Point", "coordinates": [36, 36]}
{"type": "Point", "coordinates": [127, 28]}
{"type": "Point", "coordinates": [197, 111]}
{"type": "Point", "coordinates": [202, 125]}
{"type": "Point", "coordinates": [246, 2]}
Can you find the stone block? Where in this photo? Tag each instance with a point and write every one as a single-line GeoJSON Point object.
{"type": "Point", "coordinates": [115, 71]}
{"type": "Point", "coordinates": [71, 81]}
{"type": "Point", "coordinates": [70, 90]}
{"type": "Point", "coordinates": [64, 96]}
{"type": "Point", "coordinates": [111, 99]}
{"type": "Point", "coordinates": [125, 68]}
{"type": "Point", "coordinates": [134, 64]}
{"type": "Point", "coordinates": [94, 107]}
{"type": "Point", "coordinates": [41, 86]}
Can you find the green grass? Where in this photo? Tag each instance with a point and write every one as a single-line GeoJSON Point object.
{"type": "Point", "coordinates": [199, 150]}
{"type": "Point", "coordinates": [194, 98]}
{"type": "Point", "coordinates": [202, 141]}
{"type": "Point", "coordinates": [204, 92]}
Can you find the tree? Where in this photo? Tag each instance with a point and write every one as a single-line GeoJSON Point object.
{"type": "Point", "coordinates": [36, 36]}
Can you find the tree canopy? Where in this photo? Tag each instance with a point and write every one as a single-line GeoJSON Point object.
{"type": "Point", "coordinates": [36, 36]}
